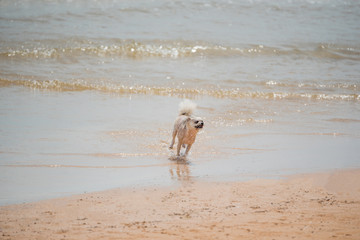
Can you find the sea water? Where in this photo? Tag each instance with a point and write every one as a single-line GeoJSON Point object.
{"type": "Point", "coordinates": [89, 91]}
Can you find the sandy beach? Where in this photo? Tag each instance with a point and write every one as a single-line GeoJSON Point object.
{"type": "Point", "coordinates": [308, 206]}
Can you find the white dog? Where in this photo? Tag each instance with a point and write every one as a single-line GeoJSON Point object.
{"type": "Point", "coordinates": [186, 126]}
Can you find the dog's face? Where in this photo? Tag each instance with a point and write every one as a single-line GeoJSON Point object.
{"type": "Point", "coordinates": [196, 122]}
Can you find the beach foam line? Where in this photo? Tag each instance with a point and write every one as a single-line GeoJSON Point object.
{"type": "Point", "coordinates": [82, 85]}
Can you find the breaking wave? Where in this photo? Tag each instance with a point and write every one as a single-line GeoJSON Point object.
{"type": "Point", "coordinates": [80, 85]}
{"type": "Point", "coordinates": [172, 49]}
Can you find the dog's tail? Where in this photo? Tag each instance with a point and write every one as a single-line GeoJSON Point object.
{"type": "Point", "coordinates": [187, 107]}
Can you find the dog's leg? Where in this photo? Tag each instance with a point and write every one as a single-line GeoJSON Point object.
{"type": "Point", "coordinates": [173, 138]}
{"type": "Point", "coordinates": [188, 149]}
{"type": "Point", "coordinates": [178, 148]}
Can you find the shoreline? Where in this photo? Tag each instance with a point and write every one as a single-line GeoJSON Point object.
{"type": "Point", "coordinates": [305, 206]}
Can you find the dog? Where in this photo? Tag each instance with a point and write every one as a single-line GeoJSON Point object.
{"type": "Point", "coordinates": [186, 127]}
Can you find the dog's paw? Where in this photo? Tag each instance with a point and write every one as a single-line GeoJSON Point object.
{"type": "Point", "coordinates": [178, 159]}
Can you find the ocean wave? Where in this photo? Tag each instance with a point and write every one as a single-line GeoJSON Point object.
{"type": "Point", "coordinates": [172, 49]}
{"type": "Point", "coordinates": [330, 86]}
{"type": "Point", "coordinates": [81, 85]}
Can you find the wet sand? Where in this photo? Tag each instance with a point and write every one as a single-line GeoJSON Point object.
{"type": "Point", "coordinates": [309, 206]}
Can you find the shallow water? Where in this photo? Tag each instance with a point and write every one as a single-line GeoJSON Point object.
{"type": "Point", "coordinates": [89, 91]}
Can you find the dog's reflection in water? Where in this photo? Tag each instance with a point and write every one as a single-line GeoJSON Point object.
{"type": "Point", "coordinates": [179, 169]}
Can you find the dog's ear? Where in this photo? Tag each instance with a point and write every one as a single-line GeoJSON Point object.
{"type": "Point", "coordinates": [187, 120]}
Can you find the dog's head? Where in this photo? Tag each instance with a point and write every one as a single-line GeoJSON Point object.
{"type": "Point", "coordinates": [196, 122]}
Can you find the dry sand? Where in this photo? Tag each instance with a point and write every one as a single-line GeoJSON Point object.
{"type": "Point", "coordinates": [312, 206]}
